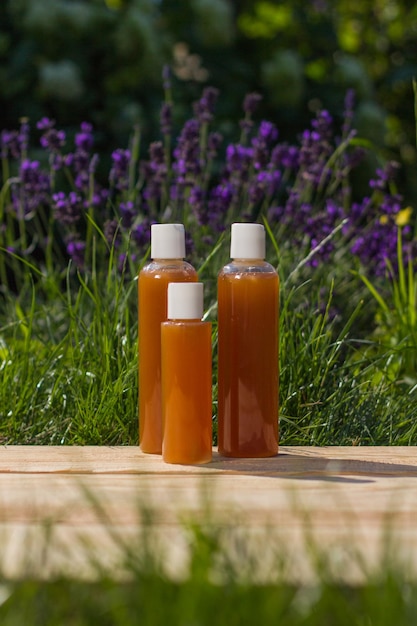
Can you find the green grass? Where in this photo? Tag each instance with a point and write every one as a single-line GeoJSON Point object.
{"type": "Point", "coordinates": [334, 392]}
{"type": "Point", "coordinates": [69, 365]}
{"type": "Point", "coordinates": [68, 360]}
{"type": "Point", "coordinates": [155, 602]}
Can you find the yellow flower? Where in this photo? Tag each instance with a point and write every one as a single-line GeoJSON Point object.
{"type": "Point", "coordinates": [403, 217]}
{"type": "Point", "coordinates": [383, 219]}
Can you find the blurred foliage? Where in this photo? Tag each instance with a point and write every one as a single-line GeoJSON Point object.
{"type": "Point", "coordinates": [101, 61]}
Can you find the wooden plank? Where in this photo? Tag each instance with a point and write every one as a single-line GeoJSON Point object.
{"type": "Point", "coordinates": [130, 460]}
{"type": "Point", "coordinates": [56, 500]}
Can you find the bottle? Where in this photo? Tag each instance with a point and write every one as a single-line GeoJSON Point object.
{"type": "Point", "coordinates": [167, 266]}
{"type": "Point", "coordinates": [186, 377]}
{"type": "Point", "coordinates": [248, 366]}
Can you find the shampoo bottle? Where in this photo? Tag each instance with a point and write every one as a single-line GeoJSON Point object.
{"type": "Point", "coordinates": [186, 377]}
{"type": "Point", "coordinates": [167, 266]}
{"type": "Point", "coordinates": [248, 374]}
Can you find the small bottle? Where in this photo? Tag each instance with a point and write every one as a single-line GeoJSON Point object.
{"type": "Point", "coordinates": [167, 266]}
{"type": "Point", "coordinates": [186, 377]}
{"type": "Point", "coordinates": [248, 366]}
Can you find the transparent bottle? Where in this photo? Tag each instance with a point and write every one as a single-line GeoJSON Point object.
{"type": "Point", "coordinates": [248, 358]}
{"type": "Point", "coordinates": [167, 266]}
{"type": "Point", "coordinates": [186, 377]}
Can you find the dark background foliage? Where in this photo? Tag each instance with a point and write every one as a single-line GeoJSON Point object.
{"type": "Point", "coordinates": [102, 60]}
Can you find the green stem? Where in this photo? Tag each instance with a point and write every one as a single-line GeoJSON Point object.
{"type": "Point", "coordinates": [90, 221]}
{"type": "Point", "coordinates": [401, 273]}
{"type": "Point", "coordinates": [134, 151]}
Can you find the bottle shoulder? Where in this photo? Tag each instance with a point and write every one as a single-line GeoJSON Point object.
{"type": "Point", "coordinates": [168, 265]}
{"type": "Point", "coordinates": [247, 266]}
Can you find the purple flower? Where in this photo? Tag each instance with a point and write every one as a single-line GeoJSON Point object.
{"type": "Point", "coordinates": [165, 119]}
{"type": "Point", "coordinates": [372, 227]}
{"type": "Point", "coordinates": [315, 150]}
{"type": "Point", "coordinates": [189, 243]}
{"type": "Point", "coordinates": [84, 140]}
{"type": "Point", "coordinates": [81, 161]}
{"type": "Point", "coordinates": [384, 175]}
{"type": "Point", "coordinates": [268, 132]}
{"type": "Point", "coordinates": [14, 143]}
{"type": "Point", "coordinates": [67, 208]}
{"type": "Point", "coordinates": [359, 210]}
{"type": "Point", "coordinates": [119, 173]}
{"type": "Point", "coordinates": [322, 124]}
{"type": "Point", "coordinates": [51, 139]}
{"type": "Point", "coordinates": [204, 108]}
{"type": "Point", "coordinates": [238, 161]}
{"type": "Point", "coordinates": [214, 141]}
{"type": "Point", "coordinates": [261, 144]}
{"type": "Point", "coordinates": [45, 123]}
{"type": "Point", "coordinates": [32, 191]}
{"type": "Point", "coordinates": [374, 247]}
{"type": "Point", "coordinates": [98, 198]}
{"type": "Point", "coordinates": [285, 156]}
{"type": "Point", "coordinates": [304, 187]}
{"type": "Point", "coordinates": [157, 157]}
{"type": "Point", "coordinates": [127, 212]}
{"type": "Point", "coordinates": [220, 201]}
{"type": "Point", "coordinates": [76, 250]}
{"type": "Point", "coordinates": [141, 234]}
{"type": "Point", "coordinates": [196, 201]}
{"type": "Point", "coordinates": [82, 178]}
{"type": "Point", "coordinates": [390, 204]}
{"type": "Point", "coordinates": [155, 172]}
{"type": "Point", "coordinates": [251, 102]}
{"type": "Point", "coordinates": [264, 184]}
{"type": "Point", "coordinates": [187, 164]}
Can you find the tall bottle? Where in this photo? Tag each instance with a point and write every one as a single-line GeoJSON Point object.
{"type": "Point", "coordinates": [248, 369]}
{"type": "Point", "coordinates": [186, 377]}
{"type": "Point", "coordinates": [167, 266]}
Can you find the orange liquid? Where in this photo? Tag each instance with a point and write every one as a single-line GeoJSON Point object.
{"type": "Point", "coordinates": [187, 392]}
{"type": "Point", "coordinates": [248, 374]}
{"type": "Point", "coordinates": [152, 299]}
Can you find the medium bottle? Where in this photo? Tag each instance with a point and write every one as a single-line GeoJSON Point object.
{"type": "Point", "coordinates": [248, 369]}
{"type": "Point", "coordinates": [167, 266]}
{"type": "Point", "coordinates": [186, 377]}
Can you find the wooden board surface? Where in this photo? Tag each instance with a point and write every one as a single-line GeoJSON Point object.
{"type": "Point", "coordinates": [130, 460]}
{"type": "Point", "coordinates": [63, 509]}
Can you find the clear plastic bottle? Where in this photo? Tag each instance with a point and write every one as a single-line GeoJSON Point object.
{"type": "Point", "coordinates": [167, 266]}
{"type": "Point", "coordinates": [186, 377]}
{"type": "Point", "coordinates": [248, 365]}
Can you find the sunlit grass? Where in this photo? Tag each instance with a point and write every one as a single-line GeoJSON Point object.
{"type": "Point", "coordinates": [69, 363]}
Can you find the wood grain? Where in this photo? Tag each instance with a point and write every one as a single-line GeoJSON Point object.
{"type": "Point", "coordinates": [69, 509]}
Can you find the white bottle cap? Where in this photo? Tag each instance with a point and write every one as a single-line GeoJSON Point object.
{"type": "Point", "coordinates": [167, 241]}
{"type": "Point", "coordinates": [185, 301]}
{"type": "Point", "coordinates": [247, 241]}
